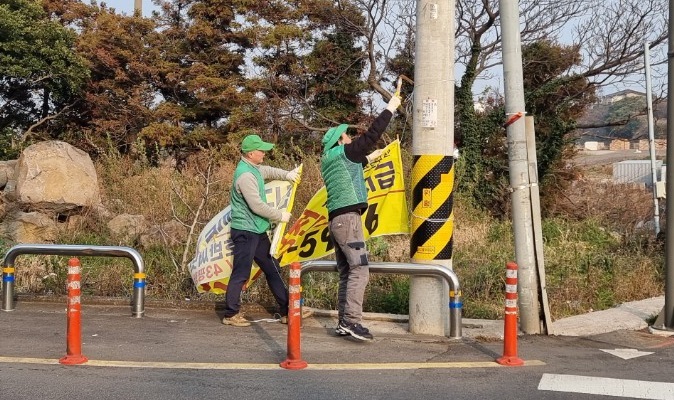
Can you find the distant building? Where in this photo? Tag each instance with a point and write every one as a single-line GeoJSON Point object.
{"type": "Point", "coordinates": [619, 144]}
{"type": "Point", "coordinates": [623, 94]}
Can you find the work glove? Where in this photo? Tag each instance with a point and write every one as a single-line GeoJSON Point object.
{"type": "Point", "coordinates": [294, 175]}
{"type": "Point", "coordinates": [372, 156]}
{"type": "Point", "coordinates": [285, 216]}
{"type": "Point", "coordinates": [394, 103]}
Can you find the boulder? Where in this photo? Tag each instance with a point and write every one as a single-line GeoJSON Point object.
{"type": "Point", "coordinates": [171, 233]}
{"type": "Point", "coordinates": [6, 172]}
{"type": "Point", "coordinates": [31, 227]}
{"type": "Point", "coordinates": [55, 176]}
{"type": "Point", "coordinates": [127, 227]}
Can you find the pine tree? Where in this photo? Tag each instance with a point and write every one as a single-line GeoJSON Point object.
{"type": "Point", "coordinates": [40, 74]}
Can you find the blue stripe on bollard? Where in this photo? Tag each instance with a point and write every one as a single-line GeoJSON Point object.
{"type": "Point", "coordinates": [455, 304]}
{"type": "Point", "coordinates": [139, 284]}
{"type": "Point", "coordinates": [8, 278]}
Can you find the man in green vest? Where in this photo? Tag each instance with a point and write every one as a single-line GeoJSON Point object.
{"type": "Point", "coordinates": [251, 216]}
{"type": "Point", "coordinates": [342, 171]}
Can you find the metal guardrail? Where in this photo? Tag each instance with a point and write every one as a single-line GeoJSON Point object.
{"type": "Point", "coordinates": [455, 303]}
{"type": "Point", "coordinates": [138, 301]}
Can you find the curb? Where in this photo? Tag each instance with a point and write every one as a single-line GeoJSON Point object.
{"type": "Point", "coordinates": [629, 316]}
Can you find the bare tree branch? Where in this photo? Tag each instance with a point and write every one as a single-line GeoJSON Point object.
{"type": "Point", "coordinates": [197, 213]}
{"type": "Point", "coordinates": [29, 132]}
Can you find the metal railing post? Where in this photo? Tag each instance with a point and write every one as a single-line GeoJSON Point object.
{"type": "Point", "coordinates": [138, 301]}
{"type": "Point", "coordinates": [455, 302]}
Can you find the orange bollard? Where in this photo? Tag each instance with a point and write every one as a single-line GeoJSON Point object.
{"type": "Point", "coordinates": [294, 360]}
{"type": "Point", "coordinates": [510, 320]}
{"type": "Point", "coordinates": [74, 332]}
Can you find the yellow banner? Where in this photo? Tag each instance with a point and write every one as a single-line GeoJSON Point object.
{"type": "Point", "coordinates": [212, 264]}
{"type": "Point", "coordinates": [386, 214]}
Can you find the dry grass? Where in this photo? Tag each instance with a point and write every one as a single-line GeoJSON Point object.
{"type": "Point", "coordinates": [600, 254]}
{"type": "Point", "coordinates": [112, 278]}
{"type": "Point", "coordinates": [162, 194]}
{"type": "Point", "coordinates": [622, 206]}
{"type": "Point", "coordinates": [33, 275]}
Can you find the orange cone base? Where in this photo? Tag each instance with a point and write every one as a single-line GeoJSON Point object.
{"type": "Point", "coordinates": [510, 361]}
{"type": "Point", "coordinates": [294, 364]}
{"type": "Point", "coordinates": [73, 360]}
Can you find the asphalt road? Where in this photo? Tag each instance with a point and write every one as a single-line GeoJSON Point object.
{"type": "Point", "coordinates": [176, 354]}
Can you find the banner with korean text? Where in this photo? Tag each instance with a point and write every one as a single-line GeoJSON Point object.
{"type": "Point", "coordinates": [212, 264]}
{"type": "Point", "coordinates": [309, 238]}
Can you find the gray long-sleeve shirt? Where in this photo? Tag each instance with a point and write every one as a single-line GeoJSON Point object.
{"type": "Point", "coordinates": [248, 187]}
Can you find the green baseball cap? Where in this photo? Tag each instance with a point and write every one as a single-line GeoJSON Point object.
{"type": "Point", "coordinates": [332, 136]}
{"type": "Point", "coordinates": [254, 142]}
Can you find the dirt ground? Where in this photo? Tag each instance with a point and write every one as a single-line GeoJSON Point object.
{"type": "Point", "coordinates": [601, 157]}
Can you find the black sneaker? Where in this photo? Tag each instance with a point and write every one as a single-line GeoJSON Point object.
{"type": "Point", "coordinates": [356, 330]}
{"type": "Point", "coordinates": [339, 330]}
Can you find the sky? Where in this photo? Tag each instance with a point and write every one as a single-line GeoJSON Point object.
{"type": "Point", "coordinates": [126, 6]}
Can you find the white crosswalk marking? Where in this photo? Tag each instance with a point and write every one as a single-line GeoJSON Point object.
{"type": "Point", "coordinates": [607, 386]}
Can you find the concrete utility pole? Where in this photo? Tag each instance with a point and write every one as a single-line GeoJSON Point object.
{"type": "Point", "coordinates": [665, 320]}
{"type": "Point", "coordinates": [138, 7]}
{"type": "Point", "coordinates": [519, 173]}
{"type": "Point", "coordinates": [433, 169]}
{"type": "Point", "coordinates": [669, 249]}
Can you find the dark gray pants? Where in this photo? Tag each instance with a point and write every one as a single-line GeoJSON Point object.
{"type": "Point", "coordinates": [346, 231]}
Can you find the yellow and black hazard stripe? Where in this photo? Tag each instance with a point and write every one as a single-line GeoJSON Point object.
{"type": "Point", "coordinates": [432, 199]}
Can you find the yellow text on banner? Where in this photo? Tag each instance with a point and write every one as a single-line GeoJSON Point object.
{"type": "Point", "coordinates": [386, 214]}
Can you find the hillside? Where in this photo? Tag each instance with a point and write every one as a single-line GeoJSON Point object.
{"type": "Point", "coordinates": [624, 119]}
{"type": "Point", "coordinates": [599, 251]}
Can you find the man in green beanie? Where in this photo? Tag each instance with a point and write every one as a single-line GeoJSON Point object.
{"type": "Point", "coordinates": [342, 171]}
{"type": "Point", "coordinates": [251, 216]}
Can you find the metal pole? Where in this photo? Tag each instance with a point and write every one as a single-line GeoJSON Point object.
{"type": "Point", "coordinates": [651, 138]}
{"type": "Point", "coordinates": [519, 173]}
{"type": "Point", "coordinates": [669, 251]}
{"type": "Point", "coordinates": [138, 301]}
{"type": "Point", "coordinates": [433, 168]}
{"type": "Point", "coordinates": [138, 7]}
{"type": "Point", "coordinates": [666, 318]}
{"type": "Point", "coordinates": [455, 309]}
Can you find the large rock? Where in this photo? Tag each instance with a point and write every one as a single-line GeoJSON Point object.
{"type": "Point", "coordinates": [127, 227]}
{"type": "Point", "coordinates": [171, 233]}
{"type": "Point", "coordinates": [6, 172]}
{"type": "Point", "coordinates": [55, 176]}
{"type": "Point", "coordinates": [30, 227]}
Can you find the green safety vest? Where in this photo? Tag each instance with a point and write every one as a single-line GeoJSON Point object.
{"type": "Point", "coordinates": [343, 179]}
{"type": "Point", "coordinates": [243, 217]}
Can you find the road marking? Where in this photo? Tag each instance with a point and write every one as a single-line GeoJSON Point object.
{"type": "Point", "coordinates": [468, 364]}
{"type": "Point", "coordinates": [244, 366]}
{"type": "Point", "coordinates": [607, 386]}
{"type": "Point", "coordinates": [626, 354]}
